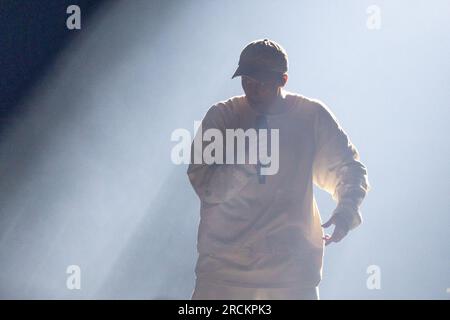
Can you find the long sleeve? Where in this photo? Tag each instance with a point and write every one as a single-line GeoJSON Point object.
{"type": "Point", "coordinates": [337, 168]}
{"type": "Point", "coordinates": [216, 183]}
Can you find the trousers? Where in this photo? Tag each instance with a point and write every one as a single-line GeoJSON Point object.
{"type": "Point", "coordinates": [207, 290]}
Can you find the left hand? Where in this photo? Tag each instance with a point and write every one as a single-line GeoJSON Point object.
{"type": "Point", "coordinates": [339, 232]}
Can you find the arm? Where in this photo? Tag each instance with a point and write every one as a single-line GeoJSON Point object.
{"type": "Point", "coordinates": [337, 169]}
{"type": "Point", "coordinates": [217, 183]}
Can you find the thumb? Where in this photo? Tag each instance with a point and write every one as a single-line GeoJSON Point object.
{"type": "Point", "coordinates": [328, 223]}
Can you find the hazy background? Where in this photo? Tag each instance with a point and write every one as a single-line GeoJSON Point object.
{"type": "Point", "coordinates": [85, 171]}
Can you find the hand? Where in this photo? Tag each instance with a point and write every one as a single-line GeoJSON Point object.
{"type": "Point", "coordinates": [340, 230]}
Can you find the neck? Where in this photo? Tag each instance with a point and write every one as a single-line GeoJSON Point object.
{"type": "Point", "coordinates": [276, 106]}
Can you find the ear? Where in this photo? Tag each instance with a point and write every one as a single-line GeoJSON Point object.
{"type": "Point", "coordinates": [284, 79]}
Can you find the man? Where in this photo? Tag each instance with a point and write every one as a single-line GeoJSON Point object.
{"type": "Point", "coordinates": [260, 236]}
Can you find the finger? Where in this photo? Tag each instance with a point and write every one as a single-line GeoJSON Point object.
{"type": "Point", "coordinates": [338, 235]}
{"type": "Point", "coordinates": [331, 240]}
{"type": "Point", "coordinates": [342, 231]}
{"type": "Point", "coordinates": [328, 223]}
{"type": "Point", "coordinates": [326, 237]}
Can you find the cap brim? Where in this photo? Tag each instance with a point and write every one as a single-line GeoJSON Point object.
{"type": "Point", "coordinates": [238, 72]}
{"type": "Point", "coordinates": [258, 74]}
{"type": "Point", "coordinates": [251, 71]}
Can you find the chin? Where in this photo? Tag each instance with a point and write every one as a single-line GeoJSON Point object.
{"type": "Point", "coordinates": [254, 102]}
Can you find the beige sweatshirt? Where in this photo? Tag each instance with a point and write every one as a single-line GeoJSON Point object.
{"type": "Point", "coordinates": [269, 234]}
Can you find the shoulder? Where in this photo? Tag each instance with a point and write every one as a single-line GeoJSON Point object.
{"type": "Point", "coordinates": [315, 107]}
{"type": "Point", "coordinates": [307, 103]}
{"type": "Point", "coordinates": [226, 108]}
{"type": "Point", "coordinates": [230, 105]}
{"type": "Point", "coordinates": [225, 111]}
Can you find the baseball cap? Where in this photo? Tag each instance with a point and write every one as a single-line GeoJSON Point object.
{"type": "Point", "coordinates": [262, 59]}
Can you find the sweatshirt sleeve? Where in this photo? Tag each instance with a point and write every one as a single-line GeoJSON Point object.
{"type": "Point", "coordinates": [337, 168]}
{"type": "Point", "coordinates": [217, 183]}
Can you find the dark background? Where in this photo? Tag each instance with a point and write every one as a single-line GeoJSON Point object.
{"type": "Point", "coordinates": [32, 35]}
